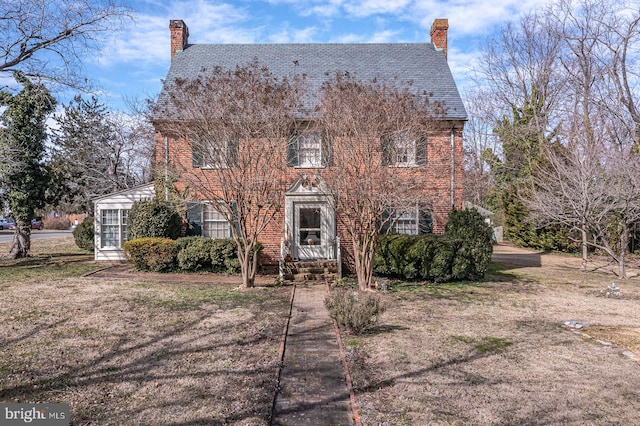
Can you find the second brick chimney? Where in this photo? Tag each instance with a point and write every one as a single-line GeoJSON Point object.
{"type": "Point", "coordinates": [179, 36]}
{"type": "Point", "coordinates": [439, 30]}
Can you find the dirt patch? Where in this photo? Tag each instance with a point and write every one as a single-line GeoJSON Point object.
{"type": "Point", "coordinates": [498, 352]}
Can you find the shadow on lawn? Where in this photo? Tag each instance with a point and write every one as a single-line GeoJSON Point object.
{"type": "Point", "coordinates": [147, 361]}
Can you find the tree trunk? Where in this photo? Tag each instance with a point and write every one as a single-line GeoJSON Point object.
{"type": "Point", "coordinates": [624, 242]}
{"type": "Point", "coordinates": [248, 263]}
{"type": "Point", "coordinates": [21, 240]}
{"type": "Point", "coordinates": [585, 249]}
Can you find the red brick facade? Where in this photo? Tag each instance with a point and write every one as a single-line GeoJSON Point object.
{"type": "Point", "coordinates": [442, 177]}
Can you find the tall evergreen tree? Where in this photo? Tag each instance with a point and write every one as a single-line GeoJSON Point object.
{"type": "Point", "coordinates": [23, 174]}
{"type": "Point", "coordinates": [523, 136]}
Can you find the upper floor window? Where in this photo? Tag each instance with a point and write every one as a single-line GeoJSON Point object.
{"type": "Point", "coordinates": [308, 148]}
{"type": "Point", "coordinates": [404, 150]}
{"type": "Point", "coordinates": [221, 153]}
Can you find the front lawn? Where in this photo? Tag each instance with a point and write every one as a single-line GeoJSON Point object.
{"type": "Point", "coordinates": [143, 350]}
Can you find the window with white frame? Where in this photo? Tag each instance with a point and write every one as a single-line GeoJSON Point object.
{"type": "Point", "coordinates": [411, 221]}
{"type": "Point", "coordinates": [403, 149]}
{"type": "Point", "coordinates": [113, 227]}
{"type": "Point", "coordinates": [214, 225]}
{"type": "Point", "coordinates": [221, 153]}
{"type": "Point", "coordinates": [306, 148]}
{"type": "Point", "coordinates": [309, 149]}
{"type": "Point", "coordinates": [405, 222]}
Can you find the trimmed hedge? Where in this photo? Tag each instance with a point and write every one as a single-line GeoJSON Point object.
{"type": "Point", "coordinates": [83, 234]}
{"type": "Point", "coordinates": [187, 254]}
{"type": "Point", "coordinates": [474, 247]}
{"type": "Point", "coordinates": [206, 254]}
{"type": "Point", "coordinates": [152, 254]}
{"type": "Point", "coordinates": [153, 218]}
{"type": "Point", "coordinates": [462, 253]}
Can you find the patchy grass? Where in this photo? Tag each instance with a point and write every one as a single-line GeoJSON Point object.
{"type": "Point", "coordinates": [51, 258]}
{"type": "Point", "coordinates": [145, 349]}
{"type": "Point", "coordinates": [496, 352]}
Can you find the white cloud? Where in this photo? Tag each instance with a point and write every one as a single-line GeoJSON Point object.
{"type": "Point", "coordinates": [362, 8]}
{"type": "Point", "coordinates": [289, 35]}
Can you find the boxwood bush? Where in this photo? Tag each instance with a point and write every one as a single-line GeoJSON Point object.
{"type": "Point", "coordinates": [206, 254]}
{"type": "Point", "coordinates": [462, 253]}
{"type": "Point", "coordinates": [472, 244]}
{"type": "Point", "coordinates": [83, 234]}
{"type": "Point", "coordinates": [152, 254]}
{"type": "Point", "coordinates": [153, 218]}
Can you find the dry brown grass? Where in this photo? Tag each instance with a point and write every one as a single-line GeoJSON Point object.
{"type": "Point", "coordinates": [142, 350]}
{"type": "Point", "coordinates": [497, 352]}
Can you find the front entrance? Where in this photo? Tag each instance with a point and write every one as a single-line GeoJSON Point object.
{"type": "Point", "coordinates": [311, 231]}
{"type": "Point", "coordinates": [309, 220]}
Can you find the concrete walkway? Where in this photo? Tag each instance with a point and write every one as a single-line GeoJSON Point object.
{"type": "Point", "coordinates": [313, 388]}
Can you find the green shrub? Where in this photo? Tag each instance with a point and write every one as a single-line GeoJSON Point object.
{"type": "Point", "coordinates": [206, 254]}
{"type": "Point", "coordinates": [83, 234]}
{"type": "Point", "coordinates": [152, 254]}
{"type": "Point", "coordinates": [194, 253]}
{"type": "Point", "coordinates": [58, 223]}
{"type": "Point", "coordinates": [427, 257]}
{"type": "Point", "coordinates": [473, 245]}
{"type": "Point", "coordinates": [153, 219]}
{"type": "Point", "coordinates": [356, 310]}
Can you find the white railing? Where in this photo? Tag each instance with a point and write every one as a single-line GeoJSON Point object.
{"type": "Point", "coordinates": [281, 261]}
{"type": "Point", "coordinates": [339, 257]}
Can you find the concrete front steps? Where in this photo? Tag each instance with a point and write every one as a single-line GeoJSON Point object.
{"type": "Point", "coordinates": [310, 271]}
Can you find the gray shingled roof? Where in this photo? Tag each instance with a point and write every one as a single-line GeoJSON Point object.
{"type": "Point", "coordinates": [420, 63]}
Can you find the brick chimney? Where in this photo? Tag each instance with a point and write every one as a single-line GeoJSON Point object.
{"type": "Point", "coordinates": [179, 36]}
{"type": "Point", "coordinates": [438, 33]}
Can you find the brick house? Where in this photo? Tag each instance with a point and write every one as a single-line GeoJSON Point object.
{"type": "Point", "coordinates": [307, 221]}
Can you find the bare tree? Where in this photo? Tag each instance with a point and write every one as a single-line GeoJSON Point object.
{"type": "Point", "coordinates": [235, 122]}
{"type": "Point", "coordinates": [96, 152]}
{"type": "Point", "coordinates": [47, 40]}
{"type": "Point", "coordinates": [374, 127]}
{"type": "Point", "coordinates": [479, 140]}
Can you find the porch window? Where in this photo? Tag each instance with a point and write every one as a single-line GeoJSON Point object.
{"type": "Point", "coordinates": [113, 227]}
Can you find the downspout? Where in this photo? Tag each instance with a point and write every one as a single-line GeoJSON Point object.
{"type": "Point", "coordinates": [453, 166]}
{"type": "Point", "coordinates": [166, 169]}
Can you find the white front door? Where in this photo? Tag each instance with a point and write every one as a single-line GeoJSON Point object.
{"type": "Point", "coordinates": [312, 231]}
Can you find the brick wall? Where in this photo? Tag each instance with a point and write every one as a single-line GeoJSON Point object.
{"type": "Point", "coordinates": [436, 176]}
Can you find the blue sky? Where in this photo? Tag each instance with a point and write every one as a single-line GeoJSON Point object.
{"type": "Point", "coordinates": [137, 58]}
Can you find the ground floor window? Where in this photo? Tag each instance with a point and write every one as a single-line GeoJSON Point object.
{"type": "Point", "coordinates": [205, 220]}
{"type": "Point", "coordinates": [113, 227]}
{"type": "Point", "coordinates": [412, 221]}
{"type": "Point", "coordinates": [214, 225]}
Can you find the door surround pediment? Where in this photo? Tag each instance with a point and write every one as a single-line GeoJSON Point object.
{"type": "Point", "coordinates": [309, 191]}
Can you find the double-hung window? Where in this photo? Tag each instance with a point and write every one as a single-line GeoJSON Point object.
{"type": "Point", "coordinates": [308, 148]}
{"type": "Point", "coordinates": [402, 149]}
{"type": "Point", "coordinates": [411, 221]}
{"type": "Point", "coordinates": [205, 220]}
{"type": "Point", "coordinates": [219, 153]}
{"type": "Point", "coordinates": [113, 227]}
{"type": "Point", "coordinates": [214, 225]}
